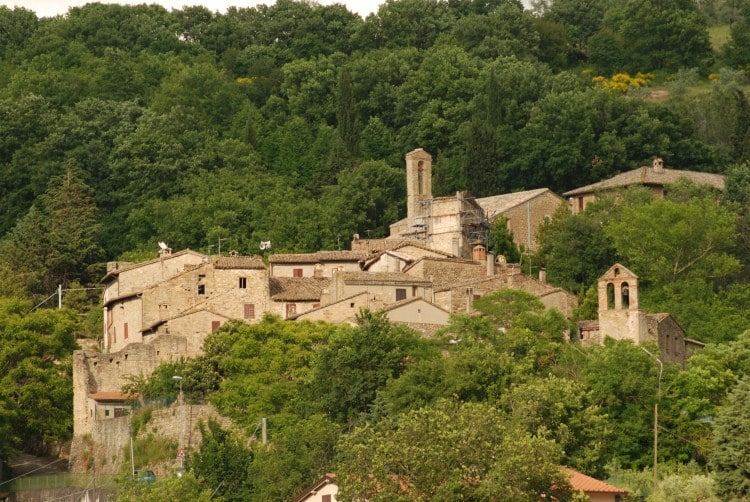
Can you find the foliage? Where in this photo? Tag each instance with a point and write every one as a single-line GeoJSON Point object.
{"type": "Point", "coordinates": [222, 462]}
{"type": "Point", "coordinates": [731, 435]}
{"type": "Point", "coordinates": [448, 451]}
{"type": "Point", "coordinates": [149, 450]}
{"type": "Point", "coordinates": [36, 369]}
{"type": "Point", "coordinates": [623, 82]}
{"type": "Point", "coordinates": [357, 362]}
{"type": "Point", "coordinates": [185, 487]}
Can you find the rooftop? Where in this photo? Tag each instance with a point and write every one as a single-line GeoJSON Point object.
{"type": "Point", "coordinates": [498, 204]}
{"type": "Point", "coordinates": [650, 176]}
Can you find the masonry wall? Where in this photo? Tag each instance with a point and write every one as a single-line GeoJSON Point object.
{"type": "Point", "coordinates": [123, 322]}
{"type": "Point", "coordinates": [534, 212]}
{"type": "Point", "coordinates": [108, 440]}
{"type": "Point", "coordinates": [97, 372]}
{"type": "Point", "coordinates": [344, 310]}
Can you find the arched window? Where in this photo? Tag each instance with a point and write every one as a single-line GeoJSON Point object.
{"type": "Point", "coordinates": [610, 296]}
{"type": "Point", "coordinates": [625, 295]}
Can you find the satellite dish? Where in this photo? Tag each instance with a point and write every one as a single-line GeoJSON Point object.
{"type": "Point", "coordinates": [163, 245]}
{"type": "Point", "coordinates": [265, 245]}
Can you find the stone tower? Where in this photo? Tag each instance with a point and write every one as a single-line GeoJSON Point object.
{"type": "Point", "coordinates": [619, 316]}
{"type": "Point", "coordinates": [418, 186]}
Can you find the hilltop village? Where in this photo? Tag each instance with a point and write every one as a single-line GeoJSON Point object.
{"type": "Point", "coordinates": [435, 263]}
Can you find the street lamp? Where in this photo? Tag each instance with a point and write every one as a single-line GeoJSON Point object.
{"type": "Point", "coordinates": [181, 452]}
{"type": "Point", "coordinates": [656, 415]}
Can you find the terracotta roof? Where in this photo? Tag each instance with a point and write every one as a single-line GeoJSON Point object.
{"type": "Point", "coordinates": [383, 278]}
{"type": "Point", "coordinates": [498, 204]}
{"type": "Point", "coordinates": [112, 396]}
{"type": "Point", "coordinates": [590, 325]}
{"type": "Point", "coordinates": [648, 176]}
{"type": "Point", "coordinates": [297, 288]}
{"type": "Point", "coordinates": [582, 482]}
{"type": "Point", "coordinates": [239, 262]}
{"type": "Point", "coordinates": [375, 245]}
{"type": "Point", "coordinates": [319, 257]}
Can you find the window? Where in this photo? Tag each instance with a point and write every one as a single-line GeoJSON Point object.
{"type": "Point", "coordinates": [580, 204]}
{"type": "Point", "coordinates": [201, 285]}
{"type": "Point", "coordinates": [625, 294]}
{"type": "Point", "coordinates": [325, 498]}
{"type": "Point", "coordinates": [610, 296]}
{"type": "Point", "coordinates": [400, 294]}
{"type": "Point", "coordinates": [106, 413]}
{"type": "Point", "coordinates": [414, 291]}
{"type": "Point", "coordinates": [291, 309]}
{"type": "Point", "coordinates": [249, 311]}
{"type": "Point", "coordinates": [243, 282]}
{"type": "Point", "coordinates": [125, 331]}
{"type": "Point", "coordinates": [297, 272]}
{"type": "Point", "coordinates": [215, 325]}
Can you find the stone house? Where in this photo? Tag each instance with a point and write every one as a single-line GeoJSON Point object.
{"type": "Point", "coordinates": [656, 177]}
{"type": "Point", "coordinates": [324, 489]}
{"type": "Point", "coordinates": [399, 258]}
{"type": "Point", "coordinates": [621, 318]}
{"type": "Point", "coordinates": [525, 212]}
{"type": "Point", "coordinates": [205, 289]}
{"type": "Point", "coordinates": [291, 296]}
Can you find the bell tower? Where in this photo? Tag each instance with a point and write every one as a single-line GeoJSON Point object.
{"type": "Point", "coordinates": [619, 315]}
{"type": "Point", "coordinates": [418, 185]}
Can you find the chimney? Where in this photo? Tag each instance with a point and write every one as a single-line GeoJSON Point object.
{"type": "Point", "coordinates": [490, 264]}
{"type": "Point", "coordinates": [318, 271]}
{"type": "Point", "coordinates": [479, 253]}
{"type": "Point", "coordinates": [658, 165]}
{"type": "Point", "coordinates": [543, 275]}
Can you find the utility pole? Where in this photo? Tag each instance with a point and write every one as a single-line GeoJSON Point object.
{"type": "Point", "coordinates": [181, 402]}
{"type": "Point", "coordinates": [656, 416]}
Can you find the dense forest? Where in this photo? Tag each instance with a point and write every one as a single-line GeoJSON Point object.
{"type": "Point", "coordinates": [124, 126]}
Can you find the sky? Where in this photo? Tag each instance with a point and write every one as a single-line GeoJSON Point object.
{"type": "Point", "coordinates": [48, 8]}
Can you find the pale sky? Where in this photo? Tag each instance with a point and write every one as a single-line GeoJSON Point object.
{"type": "Point", "coordinates": [47, 8]}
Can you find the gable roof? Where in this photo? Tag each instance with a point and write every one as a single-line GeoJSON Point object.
{"type": "Point", "coordinates": [617, 270]}
{"type": "Point", "coordinates": [582, 482]}
{"type": "Point", "coordinates": [649, 176]}
{"type": "Point", "coordinates": [326, 479]}
{"type": "Point", "coordinates": [498, 204]}
{"type": "Point", "coordinates": [401, 303]}
{"type": "Point", "coordinates": [116, 272]}
{"type": "Point", "coordinates": [297, 288]}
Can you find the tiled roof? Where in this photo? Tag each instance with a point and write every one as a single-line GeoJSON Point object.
{"type": "Point", "coordinates": [239, 262]}
{"type": "Point", "coordinates": [581, 482]}
{"type": "Point", "coordinates": [315, 487]}
{"type": "Point", "coordinates": [498, 204]}
{"type": "Point", "coordinates": [297, 288]}
{"type": "Point", "coordinates": [648, 176]}
{"type": "Point", "coordinates": [319, 257]}
{"type": "Point", "coordinates": [383, 278]}
{"type": "Point", "coordinates": [375, 245]}
{"type": "Point", "coordinates": [112, 396]}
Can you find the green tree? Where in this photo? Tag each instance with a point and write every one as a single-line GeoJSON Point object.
{"type": "Point", "coordinates": [664, 241]}
{"type": "Point", "coordinates": [185, 487]}
{"type": "Point", "coordinates": [222, 462]}
{"type": "Point", "coordinates": [732, 437]}
{"type": "Point", "coordinates": [356, 363]}
{"type": "Point", "coordinates": [449, 451]}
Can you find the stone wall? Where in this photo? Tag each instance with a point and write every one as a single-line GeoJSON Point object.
{"type": "Point", "coordinates": [105, 448]}
{"type": "Point", "coordinates": [533, 212]}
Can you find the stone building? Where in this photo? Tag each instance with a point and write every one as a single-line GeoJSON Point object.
{"type": "Point", "coordinates": [524, 211]}
{"type": "Point", "coordinates": [186, 293]}
{"type": "Point", "coordinates": [449, 224]}
{"type": "Point", "coordinates": [656, 177]}
{"type": "Point", "coordinates": [621, 318]}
